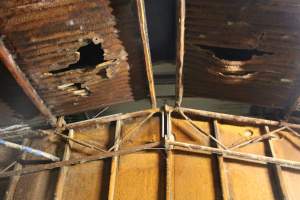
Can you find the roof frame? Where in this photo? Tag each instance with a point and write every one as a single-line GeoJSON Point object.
{"type": "Point", "coordinates": [145, 40]}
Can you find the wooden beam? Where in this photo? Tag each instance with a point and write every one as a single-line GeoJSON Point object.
{"type": "Point", "coordinates": [114, 162]}
{"type": "Point", "coordinates": [145, 39]}
{"type": "Point", "coordinates": [169, 160]}
{"type": "Point", "coordinates": [180, 51]}
{"type": "Point", "coordinates": [277, 169]}
{"type": "Point", "coordinates": [234, 118]}
{"type": "Point", "coordinates": [13, 182]}
{"type": "Point", "coordinates": [235, 155]}
{"type": "Point", "coordinates": [225, 186]}
{"type": "Point", "coordinates": [24, 83]}
{"type": "Point", "coordinates": [111, 118]}
{"type": "Point", "coordinates": [42, 167]}
{"type": "Point", "coordinates": [58, 195]}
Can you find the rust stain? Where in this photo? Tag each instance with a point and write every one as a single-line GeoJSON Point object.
{"type": "Point", "coordinates": [234, 50]}
{"type": "Point", "coordinates": [47, 37]}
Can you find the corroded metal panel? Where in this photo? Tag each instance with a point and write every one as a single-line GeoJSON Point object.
{"type": "Point", "coordinates": [242, 50]}
{"type": "Point", "coordinates": [72, 53]}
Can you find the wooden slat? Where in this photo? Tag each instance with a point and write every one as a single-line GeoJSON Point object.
{"type": "Point", "coordinates": [180, 52]}
{"type": "Point", "coordinates": [222, 168]}
{"type": "Point", "coordinates": [34, 169]}
{"type": "Point", "coordinates": [146, 46]}
{"type": "Point", "coordinates": [58, 195]}
{"type": "Point", "coordinates": [169, 161]}
{"type": "Point", "coordinates": [114, 162]}
{"type": "Point", "coordinates": [278, 171]}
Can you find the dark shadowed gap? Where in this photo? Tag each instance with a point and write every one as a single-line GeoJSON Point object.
{"type": "Point", "coordinates": [90, 56]}
{"type": "Point", "coordinates": [234, 54]}
{"type": "Point", "coordinates": [13, 96]}
{"type": "Point", "coordinates": [161, 20]}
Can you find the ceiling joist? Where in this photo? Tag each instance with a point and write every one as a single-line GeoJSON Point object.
{"type": "Point", "coordinates": [146, 47]}
{"type": "Point", "coordinates": [180, 52]}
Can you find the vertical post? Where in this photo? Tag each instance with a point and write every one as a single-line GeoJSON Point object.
{"type": "Point", "coordinates": [180, 52]}
{"type": "Point", "coordinates": [170, 159]}
{"type": "Point", "coordinates": [58, 195]}
{"type": "Point", "coordinates": [13, 182]}
{"type": "Point", "coordinates": [24, 83]}
{"type": "Point", "coordinates": [145, 39]}
{"type": "Point", "coordinates": [222, 170]}
{"type": "Point", "coordinates": [114, 162]}
{"type": "Point", "coordinates": [277, 169]}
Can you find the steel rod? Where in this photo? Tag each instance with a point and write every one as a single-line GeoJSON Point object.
{"type": "Point", "coordinates": [198, 129]}
{"type": "Point", "coordinates": [111, 118]}
{"type": "Point", "coordinates": [14, 180]}
{"type": "Point", "coordinates": [268, 135]}
{"type": "Point", "coordinates": [42, 167]}
{"type": "Point", "coordinates": [28, 150]}
{"type": "Point", "coordinates": [131, 132]}
{"type": "Point", "coordinates": [248, 157]}
{"type": "Point", "coordinates": [234, 118]}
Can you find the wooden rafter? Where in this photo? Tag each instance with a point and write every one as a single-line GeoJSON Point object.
{"type": "Point", "coordinates": [146, 47]}
{"type": "Point", "coordinates": [180, 52]}
{"type": "Point", "coordinates": [235, 155]}
{"type": "Point", "coordinates": [86, 159]}
{"type": "Point", "coordinates": [58, 195]}
{"type": "Point", "coordinates": [277, 168]}
{"type": "Point", "coordinates": [169, 159]}
{"type": "Point", "coordinates": [235, 118]}
{"type": "Point", "coordinates": [114, 162]}
{"type": "Point", "coordinates": [25, 84]}
{"type": "Point", "coordinates": [226, 192]}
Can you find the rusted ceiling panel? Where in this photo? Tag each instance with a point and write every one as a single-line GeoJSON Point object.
{"type": "Point", "coordinates": [242, 50]}
{"type": "Point", "coordinates": [72, 53]}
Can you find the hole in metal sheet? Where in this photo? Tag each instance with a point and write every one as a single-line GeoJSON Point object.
{"type": "Point", "coordinates": [91, 55]}
{"type": "Point", "coordinates": [234, 54]}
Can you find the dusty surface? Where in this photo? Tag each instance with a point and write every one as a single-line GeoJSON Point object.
{"type": "Point", "coordinates": [288, 148]}
{"type": "Point", "coordinates": [244, 178]}
{"type": "Point", "coordinates": [72, 53]}
{"type": "Point", "coordinates": [243, 50]}
{"type": "Point", "coordinates": [142, 175]}
{"type": "Point", "coordinates": [193, 174]}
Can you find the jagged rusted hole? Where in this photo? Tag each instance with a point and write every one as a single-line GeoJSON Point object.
{"type": "Point", "coordinates": [90, 56]}
{"type": "Point", "coordinates": [231, 54]}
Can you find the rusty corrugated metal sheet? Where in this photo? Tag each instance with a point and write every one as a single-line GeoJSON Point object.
{"type": "Point", "coordinates": [45, 36]}
{"type": "Point", "coordinates": [243, 50]}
